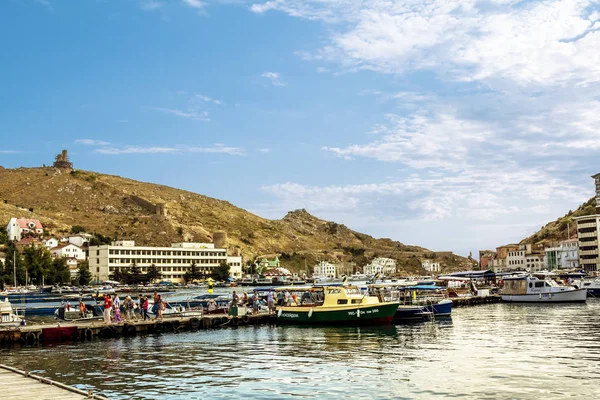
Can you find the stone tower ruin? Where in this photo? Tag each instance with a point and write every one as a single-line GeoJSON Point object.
{"type": "Point", "coordinates": [62, 161]}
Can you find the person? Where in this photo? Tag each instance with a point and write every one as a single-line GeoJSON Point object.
{"type": "Point", "coordinates": [306, 298]}
{"type": "Point", "coordinates": [82, 308]}
{"type": "Point", "coordinates": [212, 305]}
{"type": "Point", "coordinates": [68, 306]}
{"type": "Point", "coordinates": [235, 300]}
{"type": "Point", "coordinates": [141, 305]}
{"type": "Point", "coordinates": [107, 307]}
{"type": "Point", "coordinates": [145, 308]}
{"type": "Point", "coordinates": [160, 305]}
{"type": "Point", "coordinates": [287, 298]}
{"type": "Point", "coordinates": [270, 303]}
{"type": "Point", "coordinates": [245, 299]}
{"type": "Point", "coordinates": [155, 298]}
{"type": "Point", "coordinates": [294, 299]}
{"type": "Point", "coordinates": [280, 296]}
{"type": "Point", "coordinates": [255, 302]}
{"type": "Point", "coordinates": [128, 305]}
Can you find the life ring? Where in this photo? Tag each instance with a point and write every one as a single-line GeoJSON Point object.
{"type": "Point", "coordinates": [194, 324]}
{"type": "Point", "coordinates": [89, 334]}
{"type": "Point", "coordinates": [129, 330]}
{"type": "Point", "coordinates": [245, 319]}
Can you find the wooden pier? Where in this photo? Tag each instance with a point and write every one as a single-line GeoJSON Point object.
{"type": "Point", "coordinates": [86, 331]}
{"type": "Point", "coordinates": [474, 300]}
{"type": "Point", "coordinates": [21, 385]}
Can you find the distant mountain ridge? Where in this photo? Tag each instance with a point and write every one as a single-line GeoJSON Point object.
{"type": "Point", "coordinates": [123, 208]}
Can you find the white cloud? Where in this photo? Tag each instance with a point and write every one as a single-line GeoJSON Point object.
{"type": "Point", "coordinates": [194, 3]}
{"type": "Point", "coordinates": [216, 149]}
{"type": "Point", "coordinates": [274, 77]}
{"type": "Point", "coordinates": [207, 99]}
{"type": "Point", "coordinates": [151, 5]}
{"type": "Point", "coordinates": [92, 142]}
{"type": "Point", "coordinates": [9, 151]}
{"type": "Point", "coordinates": [191, 114]}
{"type": "Point", "coordinates": [263, 150]}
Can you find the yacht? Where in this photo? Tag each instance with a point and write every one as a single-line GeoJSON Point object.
{"type": "Point", "coordinates": [8, 316]}
{"type": "Point", "coordinates": [592, 286]}
{"type": "Point", "coordinates": [530, 289]}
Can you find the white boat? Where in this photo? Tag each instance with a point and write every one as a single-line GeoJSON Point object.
{"type": "Point", "coordinates": [530, 289]}
{"type": "Point", "coordinates": [592, 286]}
{"type": "Point", "coordinates": [8, 317]}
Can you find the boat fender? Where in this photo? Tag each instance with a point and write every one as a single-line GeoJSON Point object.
{"type": "Point", "coordinates": [129, 329]}
{"type": "Point", "coordinates": [279, 313]}
{"type": "Point", "coordinates": [357, 313]}
{"type": "Point", "coordinates": [310, 312]}
{"type": "Point", "coordinates": [540, 295]}
{"type": "Point", "coordinates": [30, 338]}
{"type": "Point", "coordinates": [235, 321]}
{"type": "Point", "coordinates": [245, 319]}
{"type": "Point", "coordinates": [88, 334]}
{"type": "Point", "coordinates": [549, 295]}
{"type": "Point", "coordinates": [158, 327]}
{"type": "Point", "coordinates": [194, 324]}
{"type": "Point", "coordinates": [167, 326]}
{"type": "Point", "coordinates": [175, 325]}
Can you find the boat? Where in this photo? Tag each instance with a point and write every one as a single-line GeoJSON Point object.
{"type": "Point", "coordinates": [335, 305]}
{"type": "Point", "coordinates": [530, 289]}
{"type": "Point", "coordinates": [94, 312]}
{"type": "Point", "coordinates": [592, 286]}
{"type": "Point", "coordinates": [8, 316]}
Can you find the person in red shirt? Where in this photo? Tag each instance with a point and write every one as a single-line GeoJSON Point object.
{"type": "Point", "coordinates": [107, 307]}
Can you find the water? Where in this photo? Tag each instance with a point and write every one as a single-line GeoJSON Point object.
{"type": "Point", "coordinates": [497, 351]}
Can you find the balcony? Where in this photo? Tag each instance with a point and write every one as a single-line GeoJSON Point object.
{"type": "Point", "coordinates": [587, 225]}
{"type": "Point", "coordinates": [588, 253]}
{"type": "Point", "coordinates": [588, 234]}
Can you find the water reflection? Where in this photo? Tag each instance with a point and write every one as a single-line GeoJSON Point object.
{"type": "Point", "coordinates": [492, 351]}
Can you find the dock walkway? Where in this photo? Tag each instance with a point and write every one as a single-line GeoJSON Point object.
{"type": "Point", "coordinates": [20, 385]}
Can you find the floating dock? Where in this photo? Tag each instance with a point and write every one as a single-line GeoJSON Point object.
{"type": "Point", "coordinates": [475, 300]}
{"type": "Point", "coordinates": [19, 385]}
{"type": "Point", "coordinates": [86, 331]}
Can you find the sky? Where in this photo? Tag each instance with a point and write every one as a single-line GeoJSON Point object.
{"type": "Point", "coordinates": [453, 125]}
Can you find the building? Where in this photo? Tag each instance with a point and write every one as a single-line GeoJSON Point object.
{"type": "Point", "coordinates": [235, 266]}
{"type": "Point", "coordinates": [269, 264]}
{"type": "Point", "coordinates": [486, 258]}
{"type": "Point", "coordinates": [563, 256]}
{"type": "Point", "coordinates": [325, 270]}
{"type": "Point", "coordinates": [69, 251]}
{"type": "Point", "coordinates": [50, 243]}
{"type": "Point", "coordinates": [62, 161]}
{"type": "Point", "coordinates": [81, 239]}
{"type": "Point", "coordinates": [588, 235]}
{"type": "Point", "coordinates": [431, 266]}
{"type": "Point", "coordinates": [173, 262]}
{"type": "Point", "coordinates": [381, 265]}
{"type": "Point", "coordinates": [17, 228]}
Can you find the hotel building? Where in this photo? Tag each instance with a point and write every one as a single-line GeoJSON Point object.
{"type": "Point", "coordinates": [588, 233]}
{"type": "Point", "coordinates": [173, 262]}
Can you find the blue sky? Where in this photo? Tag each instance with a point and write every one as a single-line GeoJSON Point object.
{"type": "Point", "coordinates": [454, 125]}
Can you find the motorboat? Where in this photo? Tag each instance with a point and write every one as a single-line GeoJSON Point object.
{"type": "Point", "coordinates": [530, 289]}
{"type": "Point", "coordinates": [591, 285]}
{"type": "Point", "coordinates": [93, 312]}
{"type": "Point", "coordinates": [8, 316]}
{"type": "Point", "coordinates": [334, 305]}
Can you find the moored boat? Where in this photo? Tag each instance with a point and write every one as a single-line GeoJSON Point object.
{"type": "Point", "coordinates": [530, 289]}
{"type": "Point", "coordinates": [592, 286]}
{"type": "Point", "coordinates": [8, 316]}
{"type": "Point", "coordinates": [335, 305]}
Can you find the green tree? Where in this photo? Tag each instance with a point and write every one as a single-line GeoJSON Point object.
{"type": "Point", "coordinates": [135, 275]}
{"type": "Point", "coordinates": [221, 273]}
{"type": "Point", "coordinates": [118, 276]}
{"type": "Point", "coordinates": [84, 276]}
{"type": "Point", "coordinates": [59, 273]}
{"type": "Point", "coordinates": [3, 236]}
{"type": "Point", "coordinates": [193, 274]}
{"type": "Point", "coordinates": [38, 262]}
{"type": "Point", "coordinates": [13, 262]}
{"type": "Point", "coordinates": [77, 229]}
{"type": "Point", "coordinates": [153, 274]}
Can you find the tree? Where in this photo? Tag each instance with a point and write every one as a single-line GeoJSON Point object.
{"type": "Point", "coordinates": [60, 272]}
{"type": "Point", "coordinates": [135, 275]}
{"type": "Point", "coordinates": [193, 274]}
{"type": "Point", "coordinates": [13, 261]}
{"type": "Point", "coordinates": [3, 236]}
{"type": "Point", "coordinates": [153, 274]}
{"type": "Point", "coordinates": [77, 229]}
{"type": "Point", "coordinates": [38, 262]}
{"type": "Point", "coordinates": [84, 276]}
{"type": "Point", "coordinates": [221, 273]}
{"type": "Point", "coordinates": [118, 276]}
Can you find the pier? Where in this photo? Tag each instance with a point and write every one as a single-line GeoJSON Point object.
{"type": "Point", "coordinates": [86, 331]}
{"type": "Point", "coordinates": [475, 300]}
{"type": "Point", "coordinates": [18, 385]}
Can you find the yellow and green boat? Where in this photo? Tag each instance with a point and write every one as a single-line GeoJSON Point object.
{"type": "Point", "coordinates": [334, 305]}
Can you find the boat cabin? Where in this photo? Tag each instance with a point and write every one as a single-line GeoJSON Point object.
{"type": "Point", "coordinates": [530, 285]}
{"type": "Point", "coordinates": [328, 296]}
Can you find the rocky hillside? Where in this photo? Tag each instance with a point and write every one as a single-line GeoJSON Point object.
{"type": "Point", "coordinates": [555, 231]}
{"type": "Point", "coordinates": [123, 208]}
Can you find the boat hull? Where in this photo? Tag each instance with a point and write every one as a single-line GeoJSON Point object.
{"type": "Point", "coordinates": [372, 314]}
{"type": "Point", "coordinates": [569, 296]}
{"type": "Point", "coordinates": [411, 313]}
{"type": "Point", "coordinates": [441, 309]}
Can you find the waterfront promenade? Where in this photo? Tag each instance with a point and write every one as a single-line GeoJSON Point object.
{"type": "Point", "coordinates": [20, 385]}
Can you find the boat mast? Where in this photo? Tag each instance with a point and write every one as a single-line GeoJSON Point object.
{"type": "Point", "coordinates": [15, 267]}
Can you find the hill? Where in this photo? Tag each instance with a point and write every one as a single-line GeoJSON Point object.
{"type": "Point", "coordinates": [562, 228]}
{"type": "Point", "coordinates": [123, 208]}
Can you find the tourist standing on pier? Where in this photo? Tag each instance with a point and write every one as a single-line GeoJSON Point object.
{"type": "Point", "coordinates": [145, 308]}
{"type": "Point", "coordinates": [141, 305]}
{"type": "Point", "coordinates": [280, 297]}
{"type": "Point", "coordinates": [236, 299]}
{"type": "Point", "coordinates": [107, 307]}
{"type": "Point", "coordinates": [245, 299]}
{"type": "Point", "coordinates": [160, 304]}
{"type": "Point", "coordinates": [255, 302]}
{"type": "Point", "coordinates": [155, 299]}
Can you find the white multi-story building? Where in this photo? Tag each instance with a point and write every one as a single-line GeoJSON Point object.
{"type": "Point", "coordinates": [235, 266]}
{"type": "Point", "coordinates": [516, 260]}
{"type": "Point", "coordinates": [431, 266]}
{"type": "Point", "coordinates": [79, 239]}
{"type": "Point", "coordinates": [69, 251]}
{"type": "Point", "coordinates": [381, 265]}
{"type": "Point", "coordinates": [563, 256]}
{"type": "Point", "coordinates": [173, 262]}
{"type": "Point", "coordinates": [325, 270]}
{"type": "Point", "coordinates": [18, 227]}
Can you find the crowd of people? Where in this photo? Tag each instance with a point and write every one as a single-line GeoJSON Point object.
{"type": "Point", "coordinates": [271, 300]}
{"type": "Point", "coordinates": [130, 308]}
